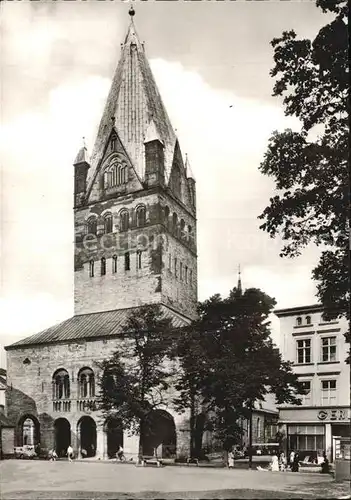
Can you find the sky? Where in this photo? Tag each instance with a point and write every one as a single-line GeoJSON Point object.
{"type": "Point", "coordinates": [211, 61]}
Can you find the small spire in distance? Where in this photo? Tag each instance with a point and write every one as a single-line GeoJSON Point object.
{"type": "Point", "coordinates": [131, 12]}
{"type": "Point", "coordinates": [239, 287]}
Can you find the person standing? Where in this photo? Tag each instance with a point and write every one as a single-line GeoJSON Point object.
{"type": "Point", "coordinates": [231, 459]}
{"type": "Point", "coordinates": [325, 468]}
{"type": "Point", "coordinates": [291, 459]}
{"type": "Point", "coordinates": [70, 453]}
{"type": "Point", "coordinates": [275, 463]}
{"type": "Point", "coordinates": [295, 465]}
{"type": "Point", "coordinates": [282, 462]}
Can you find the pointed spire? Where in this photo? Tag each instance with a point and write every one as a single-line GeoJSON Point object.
{"type": "Point", "coordinates": [135, 101]}
{"type": "Point", "coordinates": [189, 172]}
{"type": "Point", "coordinates": [239, 287]}
{"type": "Point", "coordinates": [82, 155]}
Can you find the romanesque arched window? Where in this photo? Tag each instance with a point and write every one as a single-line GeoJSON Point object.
{"type": "Point", "coordinates": [108, 223]}
{"type": "Point", "coordinates": [124, 220]}
{"type": "Point", "coordinates": [92, 225]}
{"type": "Point", "coordinates": [190, 233]}
{"type": "Point", "coordinates": [308, 320]}
{"type": "Point", "coordinates": [298, 321]}
{"type": "Point", "coordinates": [115, 174]}
{"type": "Point", "coordinates": [141, 216]}
{"type": "Point", "coordinates": [103, 266]}
{"type": "Point", "coordinates": [182, 228]}
{"type": "Point", "coordinates": [166, 216]}
{"type": "Point", "coordinates": [174, 222]}
{"type": "Point", "coordinates": [176, 180]}
{"type": "Point", "coordinates": [86, 383]}
{"type": "Point", "coordinates": [61, 385]}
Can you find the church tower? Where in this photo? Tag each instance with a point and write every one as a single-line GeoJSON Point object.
{"type": "Point", "coordinates": [135, 201]}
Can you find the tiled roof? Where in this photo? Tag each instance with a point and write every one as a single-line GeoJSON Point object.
{"type": "Point", "coordinates": [132, 104]}
{"type": "Point", "coordinates": [90, 326]}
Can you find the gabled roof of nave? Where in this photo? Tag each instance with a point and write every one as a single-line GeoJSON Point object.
{"type": "Point", "coordinates": [91, 326]}
{"type": "Point", "coordinates": [135, 103]}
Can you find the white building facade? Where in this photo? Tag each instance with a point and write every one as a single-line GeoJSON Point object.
{"type": "Point", "coordinates": [318, 351]}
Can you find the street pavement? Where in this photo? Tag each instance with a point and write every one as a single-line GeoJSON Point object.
{"type": "Point", "coordinates": [106, 480]}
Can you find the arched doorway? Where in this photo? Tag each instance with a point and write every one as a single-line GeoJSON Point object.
{"type": "Point", "coordinates": [62, 429]}
{"type": "Point", "coordinates": [28, 431]}
{"type": "Point", "coordinates": [158, 433]}
{"type": "Point", "coordinates": [87, 436]}
{"type": "Point", "coordinates": [114, 434]}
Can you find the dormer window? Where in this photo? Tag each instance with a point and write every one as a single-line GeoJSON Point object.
{"type": "Point", "coordinates": [298, 321]}
{"type": "Point", "coordinates": [115, 175]}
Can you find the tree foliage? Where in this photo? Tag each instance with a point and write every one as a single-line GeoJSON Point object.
{"type": "Point", "coordinates": [229, 361]}
{"type": "Point", "coordinates": [136, 377]}
{"type": "Point", "coordinates": [310, 167]}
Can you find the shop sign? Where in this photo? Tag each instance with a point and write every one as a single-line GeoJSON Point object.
{"type": "Point", "coordinates": [333, 414]}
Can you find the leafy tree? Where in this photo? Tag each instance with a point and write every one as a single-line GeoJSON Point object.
{"type": "Point", "coordinates": [229, 361]}
{"type": "Point", "coordinates": [136, 378]}
{"type": "Point", "coordinates": [310, 167]}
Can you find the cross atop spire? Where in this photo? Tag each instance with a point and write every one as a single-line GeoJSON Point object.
{"type": "Point", "coordinates": [239, 287]}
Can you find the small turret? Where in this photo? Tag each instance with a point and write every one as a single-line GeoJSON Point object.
{"type": "Point", "coordinates": [81, 167]}
{"type": "Point", "coordinates": [154, 157]}
{"type": "Point", "coordinates": [191, 181]}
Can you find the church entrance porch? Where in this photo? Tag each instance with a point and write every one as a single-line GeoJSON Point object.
{"type": "Point", "coordinates": [114, 436]}
{"type": "Point", "coordinates": [87, 436]}
{"type": "Point", "coordinates": [158, 435]}
{"type": "Point", "coordinates": [62, 431]}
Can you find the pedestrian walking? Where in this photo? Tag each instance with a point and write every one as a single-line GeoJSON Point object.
{"type": "Point", "coordinates": [275, 463]}
{"type": "Point", "coordinates": [53, 456]}
{"type": "Point", "coordinates": [291, 459]}
{"type": "Point", "coordinates": [120, 454]}
{"type": "Point", "coordinates": [230, 459]}
{"type": "Point", "coordinates": [70, 453]}
{"type": "Point", "coordinates": [295, 464]}
{"type": "Point", "coordinates": [282, 462]}
{"type": "Point", "coordinates": [325, 467]}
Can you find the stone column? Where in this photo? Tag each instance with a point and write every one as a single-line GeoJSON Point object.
{"type": "Point", "coordinates": [100, 439]}
{"type": "Point", "coordinates": [328, 441]}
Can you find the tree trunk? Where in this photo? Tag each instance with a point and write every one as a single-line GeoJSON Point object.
{"type": "Point", "coordinates": [192, 424]}
{"type": "Point", "coordinates": [250, 439]}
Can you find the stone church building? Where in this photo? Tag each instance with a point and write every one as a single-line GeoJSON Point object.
{"type": "Point", "coordinates": [135, 244]}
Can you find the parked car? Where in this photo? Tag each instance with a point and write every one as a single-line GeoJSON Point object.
{"type": "Point", "coordinates": [25, 451]}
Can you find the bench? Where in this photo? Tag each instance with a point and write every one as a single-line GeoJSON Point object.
{"type": "Point", "coordinates": [148, 459]}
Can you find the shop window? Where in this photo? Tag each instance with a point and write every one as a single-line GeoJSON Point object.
{"type": "Point", "coordinates": [306, 438]}
{"type": "Point", "coordinates": [328, 392]}
{"type": "Point", "coordinates": [303, 351]}
{"type": "Point", "coordinates": [328, 348]}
